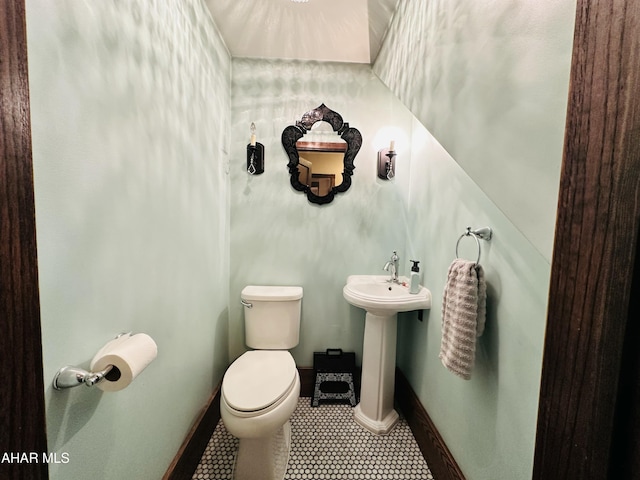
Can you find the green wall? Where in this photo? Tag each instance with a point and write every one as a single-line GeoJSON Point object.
{"type": "Point", "coordinates": [277, 236]}
{"type": "Point", "coordinates": [490, 82]}
{"type": "Point", "coordinates": [488, 422]}
{"type": "Point", "coordinates": [130, 105]}
{"type": "Point", "coordinates": [147, 220]}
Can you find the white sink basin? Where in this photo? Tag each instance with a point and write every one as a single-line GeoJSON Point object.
{"type": "Point", "coordinates": [382, 300]}
{"type": "Point", "coordinates": [375, 294]}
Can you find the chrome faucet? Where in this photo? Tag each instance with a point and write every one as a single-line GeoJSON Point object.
{"type": "Point", "coordinates": [392, 267]}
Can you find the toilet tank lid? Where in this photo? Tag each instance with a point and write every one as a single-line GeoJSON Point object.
{"type": "Point", "coordinates": [271, 293]}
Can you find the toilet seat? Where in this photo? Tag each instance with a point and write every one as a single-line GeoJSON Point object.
{"type": "Point", "coordinates": [258, 381]}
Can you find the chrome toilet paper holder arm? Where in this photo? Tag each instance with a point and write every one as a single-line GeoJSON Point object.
{"type": "Point", "coordinates": [70, 376]}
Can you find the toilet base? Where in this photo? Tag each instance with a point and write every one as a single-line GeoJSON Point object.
{"type": "Point", "coordinates": [263, 458]}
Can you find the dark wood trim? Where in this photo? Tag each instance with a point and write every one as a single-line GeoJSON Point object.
{"type": "Point", "coordinates": [327, 147]}
{"type": "Point", "coordinates": [188, 456]}
{"type": "Point", "coordinates": [190, 452]}
{"type": "Point", "coordinates": [438, 457]}
{"type": "Point", "coordinates": [625, 451]}
{"type": "Point", "coordinates": [22, 407]}
{"type": "Point", "coordinates": [595, 245]}
{"type": "Point", "coordinates": [440, 460]}
{"type": "Point", "coordinates": [589, 286]}
{"type": "Point", "coordinates": [307, 379]}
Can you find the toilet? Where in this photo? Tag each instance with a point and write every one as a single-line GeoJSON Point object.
{"type": "Point", "coordinates": [260, 389]}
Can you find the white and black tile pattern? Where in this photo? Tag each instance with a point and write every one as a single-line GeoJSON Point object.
{"type": "Point", "coordinates": [328, 444]}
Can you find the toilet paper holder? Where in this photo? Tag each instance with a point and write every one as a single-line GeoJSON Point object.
{"type": "Point", "coordinates": [70, 376]}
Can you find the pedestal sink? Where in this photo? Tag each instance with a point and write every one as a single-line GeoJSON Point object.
{"type": "Point", "coordinates": [382, 301]}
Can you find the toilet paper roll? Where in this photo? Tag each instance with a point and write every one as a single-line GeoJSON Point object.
{"type": "Point", "coordinates": [129, 354]}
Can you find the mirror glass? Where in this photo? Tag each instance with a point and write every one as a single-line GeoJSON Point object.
{"type": "Point", "coordinates": [321, 159]}
{"type": "Point", "coordinates": [321, 149]}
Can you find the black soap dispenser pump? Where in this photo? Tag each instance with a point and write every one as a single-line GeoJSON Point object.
{"type": "Point", "coordinates": [414, 281]}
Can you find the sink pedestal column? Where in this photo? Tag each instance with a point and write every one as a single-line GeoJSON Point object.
{"type": "Point", "coordinates": [375, 411]}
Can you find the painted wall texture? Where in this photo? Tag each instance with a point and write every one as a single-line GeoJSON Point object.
{"type": "Point", "coordinates": [148, 221]}
{"type": "Point", "coordinates": [130, 105]}
{"type": "Point", "coordinates": [489, 421]}
{"type": "Point", "coordinates": [490, 81]}
{"type": "Point", "coordinates": [277, 236]}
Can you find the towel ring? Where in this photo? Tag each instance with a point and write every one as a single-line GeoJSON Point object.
{"type": "Point", "coordinates": [481, 233]}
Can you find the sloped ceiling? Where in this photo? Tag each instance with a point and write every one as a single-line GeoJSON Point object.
{"type": "Point", "coordinates": [323, 30]}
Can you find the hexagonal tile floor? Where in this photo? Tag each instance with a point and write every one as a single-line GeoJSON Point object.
{"type": "Point", "coordinates": [328, 444]}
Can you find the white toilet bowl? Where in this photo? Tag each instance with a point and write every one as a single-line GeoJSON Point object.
{"type": "Point", "coordinates": [259, 393]}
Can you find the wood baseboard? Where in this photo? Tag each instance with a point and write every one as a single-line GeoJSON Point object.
{"type": "Point", "coordinates": [306, 381]}
{"type": "Point", "coordinates": [186, 460]}
{"type": "Point", "coordinates": [188, 457]}
{"type": "Point", "coordinates": [438, 457]}
{"type": "Point", "coordinates": [441, 463]}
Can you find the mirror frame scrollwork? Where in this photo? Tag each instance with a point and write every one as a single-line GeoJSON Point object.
{"type": "Point", "coordinates": [293, 133]}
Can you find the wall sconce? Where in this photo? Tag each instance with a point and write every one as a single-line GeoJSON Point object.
{"type": "Point", "coordinates": [387, 162]}
{"type": "Point", "coordinates": [255, 154]}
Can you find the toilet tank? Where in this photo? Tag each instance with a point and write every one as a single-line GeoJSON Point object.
{"type": "Point", "coordinates": [271, 316]}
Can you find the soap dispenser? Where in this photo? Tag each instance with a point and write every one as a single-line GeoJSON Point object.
{"type": "Point", "coordinates": [414, 282]}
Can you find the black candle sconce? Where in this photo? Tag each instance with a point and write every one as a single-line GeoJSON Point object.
{"type": "Point", "coordinates": [387, 162]}
{"type": "Point", "coordinates": [255, 154]}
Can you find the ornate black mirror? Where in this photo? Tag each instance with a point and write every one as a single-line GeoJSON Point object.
{"type": "Point", "coordinates": [321, 158]}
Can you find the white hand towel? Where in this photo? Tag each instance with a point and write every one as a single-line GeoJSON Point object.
{"type": "Point", "coordinates": [463, 316]}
